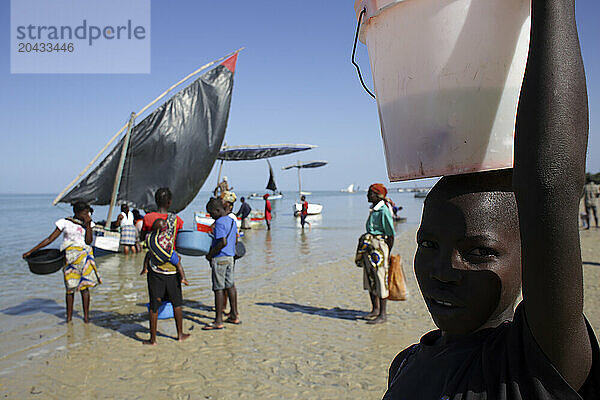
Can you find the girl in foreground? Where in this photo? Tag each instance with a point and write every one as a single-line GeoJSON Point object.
{"type": "Point", "coordinates": [484, 237]}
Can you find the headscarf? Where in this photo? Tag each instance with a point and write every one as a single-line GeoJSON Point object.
{"type": "Point", "coordinates": [379, 190]}
{"type": "Point", "coordinates": [266, 196]}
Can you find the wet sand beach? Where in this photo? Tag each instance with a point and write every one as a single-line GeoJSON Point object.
{"type": "Point", "coordinates": [301, 337]}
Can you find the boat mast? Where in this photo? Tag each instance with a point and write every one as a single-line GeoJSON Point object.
{"type": "Point", "coordinates": [119, 174]}
{"type": "Point", "coordinates": [219, 176]}
{"type": "Point", "coordinates": [299, 181]}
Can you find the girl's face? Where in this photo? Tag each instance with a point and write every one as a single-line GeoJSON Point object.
{"type": "Point", "coordinates": [83, 214]}
{"type": "Point", "coordinates": [468, 261]}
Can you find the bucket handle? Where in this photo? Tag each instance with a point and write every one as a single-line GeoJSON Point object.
{"type": "Point", "coordinates": [364, 10]}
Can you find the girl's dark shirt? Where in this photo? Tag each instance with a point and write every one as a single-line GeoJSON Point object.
{"type": "Point", "coordinates": [496, 363]}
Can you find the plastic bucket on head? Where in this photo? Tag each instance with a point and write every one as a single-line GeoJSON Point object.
{"type": "Point", "coordinates": [447, 77]}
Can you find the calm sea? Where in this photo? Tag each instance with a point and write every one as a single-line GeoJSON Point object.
{"type": "Point", "coordinates": [32, 306]}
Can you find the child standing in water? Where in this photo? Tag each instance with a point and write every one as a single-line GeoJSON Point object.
{"type": "Point", "coordinates": [221, 259]}
{"type": "Point", "coordinates": [80, 273]}
{"type": "Point", "coordinates": [484, 237]}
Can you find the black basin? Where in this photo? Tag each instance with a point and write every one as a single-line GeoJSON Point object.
{"type": "Point", "coordinates": [46, 261]}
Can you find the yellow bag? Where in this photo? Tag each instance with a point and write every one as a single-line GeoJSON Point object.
{"type": "Point", "coordinates": [396, 282]}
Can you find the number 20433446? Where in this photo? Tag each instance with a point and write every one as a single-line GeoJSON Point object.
{"type": "Point", "coordinates": [25, 47]}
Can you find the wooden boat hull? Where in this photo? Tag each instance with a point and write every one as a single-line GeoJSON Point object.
{"type": "Point", "coordinates": [204, 222]}
{"type": "Point", "coordinates": [105, 242]}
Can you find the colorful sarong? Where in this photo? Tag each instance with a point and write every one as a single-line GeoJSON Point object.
{"type": "Point", "coordinates": [372, 255]}
{"type": "Point", "coordinates": [128, 235]}
{"type": "Point", "coordinates": [80, 271]}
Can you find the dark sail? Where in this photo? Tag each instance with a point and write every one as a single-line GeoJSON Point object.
{"type": "Point", "coordinates": [243, 153]}
{"type": "Point", "coordinates": [175, 147]}
{"type": "Point", "coordinates": [271, 185]}
{"type": "Point", "coordinates": [311, 164]}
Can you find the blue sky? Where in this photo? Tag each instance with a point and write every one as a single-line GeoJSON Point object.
{"type": "Point", "coordinates": [294, 84]}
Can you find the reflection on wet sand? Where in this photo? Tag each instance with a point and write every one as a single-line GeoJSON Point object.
{"type": "Point", "coordinates": [304, 243]}
{"type": "Point", "coordinates": [268, 248]}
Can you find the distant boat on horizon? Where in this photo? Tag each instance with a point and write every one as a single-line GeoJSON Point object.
{"type": "Point", "coordinates": [352, 188]}
{"type": "Point", "coordinates": [421, 193]}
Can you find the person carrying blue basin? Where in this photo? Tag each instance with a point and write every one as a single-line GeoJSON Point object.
{"type": "Point", "coordinates": [80, 273]}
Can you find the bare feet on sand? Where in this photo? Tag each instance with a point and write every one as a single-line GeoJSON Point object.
{"type": "Point", "coordinates": [183, 336]}
{"type": "Point", "coordinates": [378, 320]}
{"type": "Point", "coordinates": [372, 315]}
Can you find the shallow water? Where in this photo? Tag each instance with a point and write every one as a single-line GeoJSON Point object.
{"type": "Point", "coordinates": [32, 307]}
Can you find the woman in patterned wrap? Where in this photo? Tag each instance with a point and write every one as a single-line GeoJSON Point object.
{"type": "Point", "coordinates": [80, 273]}
{"type": "Point", "coordinates": [373, 252]}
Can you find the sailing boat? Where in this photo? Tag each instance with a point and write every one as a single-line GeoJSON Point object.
{"type": "Point", "coordinates": [352, 188]}
{"type": "Point", "coordinates": [244, 153]}
{"type": "Point", "coordinates": [175, 146]}
{"type": "Point", "coordinates": [271, 185]}
{"type": "Point", "coordinates": [313, 208]}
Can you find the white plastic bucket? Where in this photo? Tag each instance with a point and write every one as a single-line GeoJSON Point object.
{"type": "Point", "coordinates": [447, 76]}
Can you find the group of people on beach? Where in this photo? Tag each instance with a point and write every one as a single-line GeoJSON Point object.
{"type": "Point", "coordinates": [161, 265]}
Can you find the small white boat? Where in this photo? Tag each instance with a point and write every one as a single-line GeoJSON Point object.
{"type": "Point", "coordinates": [313, 209]}
{"type": "Point", "coordinates": [421, 194]}
{"type": "Point", "coordinates": [352, 188]}
{"type": "Point", "coordinates": [274, 196]}
{"type": "Point", "coordinates": [313, 220]}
